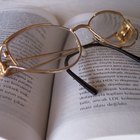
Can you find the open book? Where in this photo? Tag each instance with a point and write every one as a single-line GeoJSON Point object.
{"type": "Point", "coordinates": [56, 107]}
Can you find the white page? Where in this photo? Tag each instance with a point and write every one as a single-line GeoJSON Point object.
{"type": "Point", "coordinates": [78, 115]}
{"type": "Point", "coordinates": [24, 98]}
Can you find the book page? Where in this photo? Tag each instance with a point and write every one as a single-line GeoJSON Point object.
{"type": "Point", "coordinates": [77, 114]}
{"type": "Point", "coordinates": [24, 97]}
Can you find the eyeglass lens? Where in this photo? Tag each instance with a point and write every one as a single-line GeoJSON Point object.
{"type": "Point", "coordinates": [113, 28]}
{"type": "Point", "coordinates": [39, 41]}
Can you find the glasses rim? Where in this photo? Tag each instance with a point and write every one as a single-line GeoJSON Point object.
{"type": "Point", "coordinates": [72, 30]}
{"type": "Point", "coordinates": [105, 41]}
{"type": "Point", "coordinates": [16, 65]}
{"type": "Point", "coordinates": [83, 83]}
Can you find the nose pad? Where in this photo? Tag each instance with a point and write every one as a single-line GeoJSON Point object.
{"type": "Point", "coordinates": [84, 52]}
{"type": "Point", "coordinates": [125, 33]}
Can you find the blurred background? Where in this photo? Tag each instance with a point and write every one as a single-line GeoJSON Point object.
{"type": "Point", "coordinates": [65, 9]}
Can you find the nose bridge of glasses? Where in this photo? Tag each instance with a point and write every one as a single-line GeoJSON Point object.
{"type": "Point", "coordinates": [84, 29]}
{"type": "Point", "coordinates": [80, 26]}
{"type": "Point", "coordinates": [87, 26]}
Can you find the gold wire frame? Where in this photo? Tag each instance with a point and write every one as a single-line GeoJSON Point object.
{"type": "Point", "coordinates": [5, 69]}
{"type": "Point", "coordinates": [127, 29]}
{"type": "Point", "coordinates": [125, 33]}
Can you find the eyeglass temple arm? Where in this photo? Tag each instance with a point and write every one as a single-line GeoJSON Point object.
{"type": "Point", "coordinates": [132, 56]}
{"type": "Point", "coordinates": [88, 87]}
{"type": "Point", "coordinates": [91, 89]}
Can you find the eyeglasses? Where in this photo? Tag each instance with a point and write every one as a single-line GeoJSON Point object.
{"type": "Point", "coordinates": [35, 48]}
